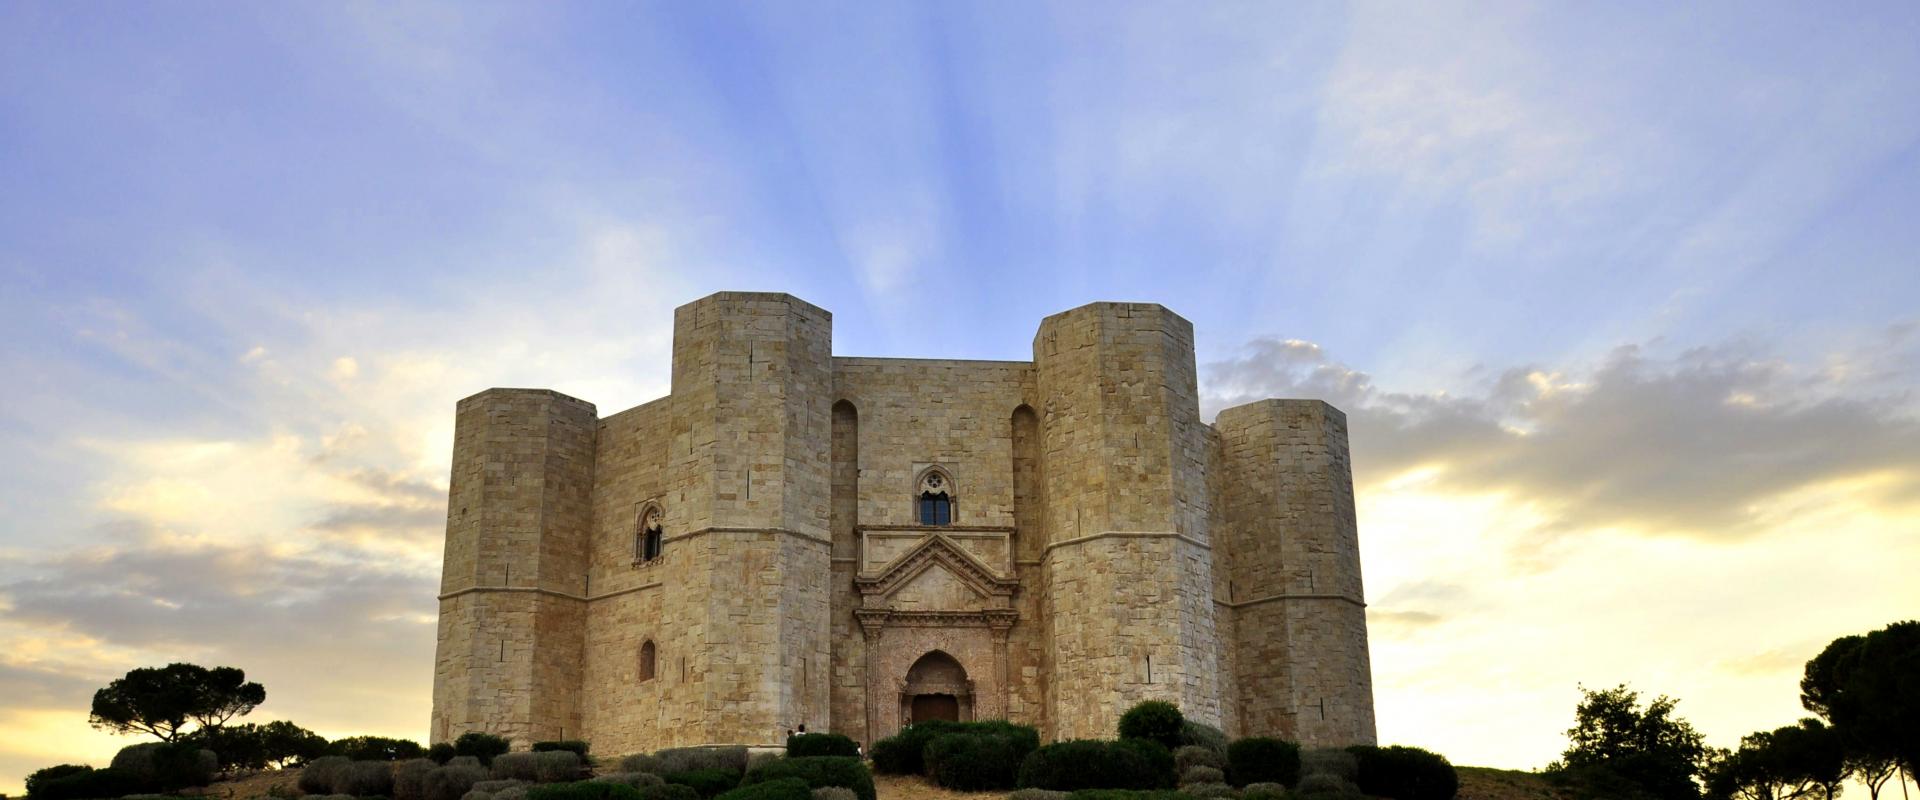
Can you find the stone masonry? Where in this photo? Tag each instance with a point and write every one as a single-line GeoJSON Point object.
{"type": "Point", "coordinates": [1101, 545]}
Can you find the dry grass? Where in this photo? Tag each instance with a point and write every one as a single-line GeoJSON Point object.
{"type": "Point", "coordinates": [252, 787]}
{"type": "Point", "coordinates": [914, 787]}
{"type": "Point", "coordinates": [1482, 783]}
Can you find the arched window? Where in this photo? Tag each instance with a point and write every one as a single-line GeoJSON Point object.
{"type": "Point", "coordinates": [935, 501]}
{"type": "Point", "coordinates": [647, 542]}
{"type": "Point", "coordinates": [646, 660]}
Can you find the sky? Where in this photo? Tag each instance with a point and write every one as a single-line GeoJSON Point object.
{"type": "Point", "coordinates": [1622, 301]}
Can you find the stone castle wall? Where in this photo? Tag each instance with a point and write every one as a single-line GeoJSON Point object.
{"type": "Point", "coordinates": [1106, 546]}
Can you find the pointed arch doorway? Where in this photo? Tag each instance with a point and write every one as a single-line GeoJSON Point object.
{"type": "Point", "coordinates": [936, 687]}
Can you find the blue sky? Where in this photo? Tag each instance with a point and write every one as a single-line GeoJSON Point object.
{"type": "Point", "coordinates": [1601, 285]}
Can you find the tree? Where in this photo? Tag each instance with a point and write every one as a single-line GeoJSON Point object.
{"type": "Point", "coordinates": [1868, 688]}
{"type": "Point", "coordinates": [1615, 738]}
{"type": "Point", "coordinates": [1798, 761]}
{"type": "Point", "coordinates": [163, 700]}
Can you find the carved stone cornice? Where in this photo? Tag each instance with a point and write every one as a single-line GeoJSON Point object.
{"type": "Point", "coordinates": [936, 549]}
{"type": "Point", "coordinates": [873, 620]}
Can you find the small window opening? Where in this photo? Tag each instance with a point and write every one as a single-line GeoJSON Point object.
{"type": "Point", "coordinates": [936, 498]}
{"type": "Point", "coordinates": [646, 660]}
{"type": "Point", "coordinates": [652, 537]}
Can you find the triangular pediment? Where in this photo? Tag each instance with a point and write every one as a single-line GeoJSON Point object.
{"type": "Point", "coordinates": [936, 588]}
{"type": "Point", "coordinates": [956, 570]}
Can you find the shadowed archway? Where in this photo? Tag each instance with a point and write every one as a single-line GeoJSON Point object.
{"type": "Point", "coordinates": [936, 687]}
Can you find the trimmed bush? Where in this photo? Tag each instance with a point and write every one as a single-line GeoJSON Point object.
{"type": "Point", "coordinates": [833, 793]}
{"type": "Point", "coordinates": [494, 786]}
{"type": "Point", "coordinates": [1264, 791]}
{"type": "Point", "coordinates": [365, 779]}
{"type": "Point", "coordinates": [634, 779]}
{"type": "Point", "coordinates": [375, 748]}
{"type": "Point", "coordinates": [817, 771]}
{"type": "Point", "coordinates": [574, 746]}
{"type": "Point", "coordinates": [1037, 794]}
{"type": "Point", "coordinates": [904, 753]}
{"type": "Point", "coordinates": [464, 761]}
{"type": "Point", "coordinates": [165, 766]}
{"type": "Point", "coordinates": [708, 782]}
{"type": "Point", "coordinates": [1209, 790]}
{"type": "Point", "coordinates": [85, 784]}
{"type": "Point", "coordinates": [318, 776]}
{"type": "Point", "coordinates": [410, 778]}
{"type": "Point", "coordinates": [642, 762]}
{"type": "Point", "coordinates": [511, 793]}
{"type": "Point", "coordinates": [1331, 761]}
{"type": "Point", "coordinates": [555, 766]}
{"type": "Point", "coordinates": [453, 780]}
{"type": "Point", "coordinates": [668, 791]}
{"type": "Point", "coordinates": [584, 790]}
{"type": "Point", "coordinates": [688, 759]}
{"type": "Point", "coordinates": [41, 776]}
{"type": "Point", "coordinates": [1327, 786]}
{"type": "Point", "coordinates": [1199, 734]}
{"type": "Point", "coordinates": [779, 789]}
{"type": "Point", "coordinates": [514, 766]}
{"type": "Point", "coordinates": [1091, 764]}
{"type": "Point", "coordinates": [973, 762]}
{"type": "Point", "coordinates": [1259, 759]}
{"type": "Point", "coordinates": [1127, 794]}
{"type": "Point", "coordinates": [756, 759]}
{"type": "Point", "coordinates": [1405, 773]}
{"type": "Point", "coordinates": [441, 752]}
{"type": "Point", "coordinates": [1189, 756]}
{"type": "Point", "coordinates": [1157, 720]}
{"type": "Point", "coordinates": [821, 744]}
{"type": "Point", "coordinates": [483, 746]}
{"type": "Point", "coordinates": [1201, 773]}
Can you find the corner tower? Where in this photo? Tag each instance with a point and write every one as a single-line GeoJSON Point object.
{"type": "Point", "coordinates": [1298, 618]}
{"type": "Point", "coordinates": [1127, 563]}
{"type": "Point", "coordinates": [511, 609]}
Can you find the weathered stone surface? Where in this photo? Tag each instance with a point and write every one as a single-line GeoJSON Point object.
{"type": "Point", "coordinates": [1105, 546]}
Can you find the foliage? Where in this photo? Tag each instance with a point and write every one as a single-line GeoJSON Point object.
{"type": "Point", "coordinates": [483, 746]}
{"type": "Point", "coordinates": [410, 778]}
{"type": "Point", "coordinates": [1201, 773]}
{"type": "Point", "coordinates": [365, 779]}
{"type": "Point", "coordinates": [586, 790]}
{"type": "Point", "coordinates": [555, 766]}
{"type": "Point", "coordinates": [634, 779]}
{"type": "Point", "coordinates": [1092, 764]}
{"type": "Point", "coordinates": [973, 762]}
{"type": "Point", "coordinates": [1197, 734]}
{"type": "Point", "coordinates": [778, 789]}
{"type": "Point", "coordinates": [833, 793]}
{"type": "Point", "coordinates": [1265, 791]}
{"type": "Point", "coordinates": [822, 744]}
{"type": "Point", "coordinates": [1126, 794]}
{"type": "Point", "coordinates": [1865, 687]}
{"type": "Point", "coordinates": [576, 746]}
{"type": "Point", "coordinates": [513, 766]}
{"type": "Point", "coordinates": [1213, 789]}
{"type": "Point", "coordinates": [904, 753]}
{"type": "Point", "coordinates": [451, 781]}
{"type": "Point", "coordinates": [817, 771]}
{"type": "Point", "coordinates": [1787, 762]}
{"type": "Point", "coordinates": [85, 784]}
{"type": "Point", "coordinates": [165, 766]}
{"type": "Point", "coordinates": [1614, 740]}
{"type": "Point", "coordinates": [688, 759]}
{"type": "Point", "coordinates": [163, 700]}
{"type": "Point", "coordinates": [1188, 756]}
{"type": "Point", "coordinates": [1405, 773]}
{"type": "Point", "coordinates": [441, 752]}
{"type": "Point", "coordinates": [1157, 720]}
{"type": "Point", "coordinates": [708, 782]}
{"type": "Point", "coordinates": [1329, 760]}
{"type": "Point", "coordinates": [1324, 786]}
{"type": "Point", "coordinates": [642, 762]}
{"type": "Point", "coordinates": [317, 777]}
{"type": "Point", "coordinates": [1260, 759]}
{"type": "Point", "coordinates": [40, 777]}
{"type": "Point", "coordinates": [375, 748]}
{"type": "Point", "coordinates": [1037, 794]}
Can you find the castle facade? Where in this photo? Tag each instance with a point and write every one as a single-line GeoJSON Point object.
{"type": "Point", "coordinates": [853, 544]}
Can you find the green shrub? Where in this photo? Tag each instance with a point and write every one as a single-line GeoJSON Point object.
{"type": "Point", "coordinates": [821, 744]}
{"type": "Point", "coordinates": [1330, 760]}
{"type": "Point", "coordinates": [85, 784]}
{"type": "Point", "coordinates": [514, 766]}
{"type": "Point", "coordinates": [441, 752]}
{"type": "Point", "coordinates": [1201, 773]}
{"type": "Point", "coordinates": [1259, 759]}
{"type": "Point", "coordinates": [483, 746]}
{"type": "Point", "coordinates": [634, 779]}
{"type": "Point", "coordinates": [833, 793]}
{"type": "Point", "coordinates": [375, 748]}
{"type": "Point", "coordinates": [410, 778]}
{"type": "Point", "coordinates": [1157, 720]}
{"type": "Point", "coordinates": [1189, 756]}
{"type": "Point", "coordinates": [453, 780]}
{"type": "Point", "coordinates": [464, 761]}
{"type": "Point", "coordinates": [973, 762]}
{"type": "Point", "coordinates": [817, 771]}
{"type": "Point", "coordinates": [688, 759]}
{"type": "Point", "coordinates": [1209, 790]}
{"type": "Point", "coordinates": [317, 776]}
{"type": "Point", "coordinates": [904, 753]}
{"type": "Point", "coordinates": [708, 782]}
{"type": "Point", "coordinates": [1091, 764]}
{"type": "Point", "coordinates": [40, 777]}
{"type": "Point", "coordinates": [365, 779]}
{"type": "Point", "coordinates": [1198, 734]}
{"type": "Point", "coordinates": [777, 789]}
{"type": "Point", "coordinates": [1127, 794]}
{"type": "Point", "coordinates": [1037, 794]}
{"type": "Point", "coordinates": [1326, 786]}
{"type": "Point", "coordinates": [165, 766]}
{"type": "Point", "coordinates": [574, 746]}
{"type": "Point", "coordinates": [668, 791]}
{"type": "Point", "coordinates": [584, 790]}
{"type": "Point", "coordinates": [642, 762]}
{"type": "Point", "coordinates": [496, 785]}
{"type": "Point", "coordinates": [1264, 791]}
{"type": "Point", "coordinates": [555, 766]}
{"type": "Point", "coordinates": [1405, 773]}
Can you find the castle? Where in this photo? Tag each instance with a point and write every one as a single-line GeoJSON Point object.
{"type": "Point", "coordinates": [853, 544]}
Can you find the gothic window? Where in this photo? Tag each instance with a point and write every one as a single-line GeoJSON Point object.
{"type": "Point", "coordinates": [647, 543]}
{"type": "Point", "coordinates": [935, 502]}
{"type": "Point", "coordinates": [646, 660]}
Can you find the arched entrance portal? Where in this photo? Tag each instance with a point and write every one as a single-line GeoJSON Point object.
{"type": "Point", "coordinates": [936, 688]}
